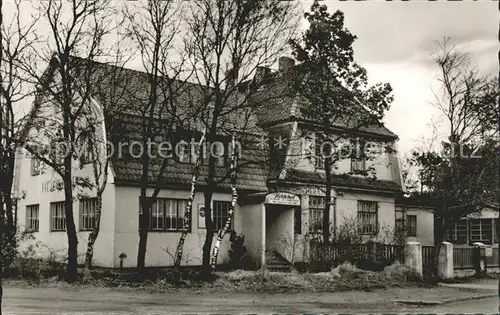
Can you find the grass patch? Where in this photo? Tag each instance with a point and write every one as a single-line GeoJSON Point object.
{"type": "Point", "coordinates": [345, 277]}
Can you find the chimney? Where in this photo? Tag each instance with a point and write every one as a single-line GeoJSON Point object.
{"type": "Point", "coordinates": [261, 73]}
{"type": "Point", "coordinates": [231, 78]}
{"type": "Point", "coordinates": [285, 63]}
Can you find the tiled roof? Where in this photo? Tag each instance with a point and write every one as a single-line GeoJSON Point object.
{"type": "Point", "coordinates": [342, 181]}
{"type": "Point", "coordinates": [282, 104]}
{"type": "Point", "coordinates": [129, 98]}
{"type": "Point", "coordinates": [124, 94]}
{"type": "Point", "coordinates": [252, 174]}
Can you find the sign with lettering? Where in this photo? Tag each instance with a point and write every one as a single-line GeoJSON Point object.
{"type": "Point", "coordinates": [488, 252]}
{"type": "Point", "coordinates": [56, 185]}
{"type": "Point", "coordinates": [52, 185]}
{"type": "Point", "coordinates": [282, 198]}
{"type": "Point", "coordinates": [201, 216]}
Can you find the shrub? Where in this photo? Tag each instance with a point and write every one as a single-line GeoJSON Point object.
{"type": "Point", "coordinates": [238, 251]}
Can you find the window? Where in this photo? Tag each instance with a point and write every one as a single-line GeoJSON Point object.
{"type": "Point", "coordinates": [458, 233]}
{"type": "Point", "coordinates": [322, 150]}
{"type": "Point", "coordinates": [32, 215]}
{"type": "Point", "coordinates": [88, 208]}
{"type": "Point", "coordinates": [57, 217]}
{"type": "Point", "coordinates": [220, 214]}
{"type": "Point", "coordinates": [497, 230]}
{"type": "Point", "coordinates": [167, 215]}
{"type": "Point", "coordinates": [36, 166]}
{"type": "Point", "coordinates": [316, 209]}
{"type": "Point", "coordinates": [481, 230]}
{"type": "Point", "coordinates": [358, 160]}
{"type": "Point", "coordinates": [400, 222]}
{"type": "Point", "coordinates": [297, 227]}
{"type": "Point", "coordinates": [368, 217]}
{"type": "Point", "coordinates": [84, 149]}
{"type": "Point", "coordinates": [412, 225]}
{"type": "Point", "coordinates": [218, 150]}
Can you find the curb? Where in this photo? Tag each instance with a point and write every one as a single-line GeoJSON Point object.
{"type": "Point", "coordinates": [417, 302]}
{"type": "Point", "coordinates": [468, 298]}
{"type": "Point", "coordinates": [447, 300]}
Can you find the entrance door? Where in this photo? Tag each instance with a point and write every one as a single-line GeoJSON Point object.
{"type": "Point", "coordinates": [279, 232]}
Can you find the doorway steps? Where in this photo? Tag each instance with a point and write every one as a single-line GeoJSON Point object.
{"type": "Point", "coordinates": [276, 262]}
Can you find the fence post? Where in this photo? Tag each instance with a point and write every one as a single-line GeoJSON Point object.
{"type": "Point", "coordinates": [413, 256]}
{"type": "Point", "coordinates": [445, 261]}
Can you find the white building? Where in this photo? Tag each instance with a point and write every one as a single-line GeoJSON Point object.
{"type": "Point", "coordinates": [268, 221]}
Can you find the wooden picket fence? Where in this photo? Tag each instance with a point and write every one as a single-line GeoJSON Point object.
{"type": "Point", "coordinates": [334, 254]}
{"type": "Point", "coordinates": [428, 256]}
{"type": "Point", "coordinates": [463, 258]}
{"type": "Point", "coordinates": [492, 261]}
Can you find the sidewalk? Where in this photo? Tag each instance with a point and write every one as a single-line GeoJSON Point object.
{"type": "Point", "coordinates": [55, 300]}
{"type": "Point", "coordinates": [481, 284]}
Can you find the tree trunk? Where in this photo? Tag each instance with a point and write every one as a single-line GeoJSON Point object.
{"type": "Point", "coordinates": [223, 231]}
{"type": "Point", "coordinates": [207, 246]}
{"type": "Point", "coordinates": [2, 231]}
{"type": "Point", "coordinates": [72, 272]}
{"type": "Point", "coordinates": [189, 207]}
{"type": "Point", "coordinates": [143, 230]}
{"type": "Point", "coordinates": [328, 198]}
{"type": "Point", "coordinates": [1, 288]}
{"type": "Point", "coordinates": [89, 255]}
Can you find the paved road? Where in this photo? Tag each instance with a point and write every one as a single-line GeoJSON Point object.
{"type": "Point", "coordinates": [484, 306]}
{"type": "Point", "coordinates": [53, 301]}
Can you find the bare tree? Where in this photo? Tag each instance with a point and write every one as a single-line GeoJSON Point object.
{"type": "Point", "coordinates": [462, 174]}
{"type": "Point", "coordinates": [234, 199]}
{"type": "Point", "coordinates": [226, 42]}
{"type": "Point", "coordinates": [336, 98]}
{"type": "Point", "coordinates": [74, 42]}
{"type": "Point", "coordinates": [16, 38]}
{"type": "Point", "coordinates": [189, 206]}
{"type": "Point", "coordinates": [154, 29]}
{"type": "Point", "coordinates": [110, 91]}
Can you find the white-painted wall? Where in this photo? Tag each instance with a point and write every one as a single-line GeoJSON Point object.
{"type": "Point", "coordinates": [302, 147]}
{"type": "Point", "coordinates": [161, 246]}
{"type": "Point", "coordinates": [425, 225]}
{"type": "Point", "coordinates": [250, 226]}
{"type": "Point", "coordinates": [279, 230]}
{"type": "Point", "coordinates": [347, 209]}
{"type": "Point", "coordinates": [56, 242]}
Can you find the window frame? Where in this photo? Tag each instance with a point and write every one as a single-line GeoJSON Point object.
{"type": "Point", "coordinates": [30, 219]}
{"type": "Point", "coordinates": [214, 222]}
{"type": "Point", "coordinates": [401, 231]}
{"type": "Point", "coordinates": [358, 161]}
{"type": "Point", "coordinates": [496, 235]}
{"type": "Point", "coordinates": [411, 230]}
{"type": "Point", "coordinates": [63, 216]}
{"type": "Point", "coordinates": [488, 228]}
{"type": "Point", "coordinates": [81, 216]}
{"type": "Point", "coordinates": [297, 220]}
{"type": "Point", "coordinates": [36, 166]}
{"type": "Point", "coordinates": [358, 164]}
{"type": "Point", "coordinates": [319, 162]}
{"type": "Point", "coordinates": [363, 214]}
{"type": "Point", "coordinates": [85, 145]}
{"type": "Point", "coordinates": [167, 203]}
{"type": "Point", "coordinates": [316, 207]}
{"type": "Point", "coordinates": [452, 235]}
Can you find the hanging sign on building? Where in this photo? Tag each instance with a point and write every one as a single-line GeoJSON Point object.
{"type": "Point", "coordinates": [282, 198]}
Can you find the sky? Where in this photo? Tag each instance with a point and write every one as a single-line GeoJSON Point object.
{"type": "Point", "coordinates": [395, 40]}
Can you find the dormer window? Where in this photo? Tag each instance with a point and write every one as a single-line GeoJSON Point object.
{"type": "Point", "coordinates": [36, 166]}
{"type": "Point", "coordinates": [322, 150]}
{"type": "Point", "coordinates": [358, 158]}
